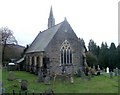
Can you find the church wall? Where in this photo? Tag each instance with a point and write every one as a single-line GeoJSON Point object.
{"type": "Point", "coordinates": [53, 49]}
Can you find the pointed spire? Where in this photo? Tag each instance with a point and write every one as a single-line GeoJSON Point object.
{"type": "Point", "coordinates": [65, 19]}
{"type": "Point", "coordinates": [51, 12]}
{"type": "Point", "coordinates": [51, 20]}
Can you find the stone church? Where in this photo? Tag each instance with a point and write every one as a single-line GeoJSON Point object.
{"type": "Point", "coordinates": [56, 49]}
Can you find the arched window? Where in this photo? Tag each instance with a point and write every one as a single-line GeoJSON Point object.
{"type": "Point", "coordinates": [66, 53]}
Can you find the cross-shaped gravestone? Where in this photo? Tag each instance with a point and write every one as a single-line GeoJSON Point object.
{"type": "Point", "coordinates": [24, 85]}
{"type": "Point", "coordinates": [10, 76]}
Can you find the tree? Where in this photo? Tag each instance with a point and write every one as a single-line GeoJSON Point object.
{"type": "Point", "coordinates": [93, 48]}
{"type": "Point", "coordinates": [83, 43]}
{"type": "Point", "coordinates": [91, 59]}
{"type": "Point", "coordinates": [118, 56]}
{"type": "Point", "coordinates": [112, 56]}
{"type": "Point", "coordinates": [7, 38]}
{"type": "Point", "coordinates": [103, 55]}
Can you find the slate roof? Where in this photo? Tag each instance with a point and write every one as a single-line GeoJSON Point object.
{"type": "Point", "coordinates": [43, 39]}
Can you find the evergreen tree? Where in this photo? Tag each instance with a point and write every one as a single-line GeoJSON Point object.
{"type": "Point", "coordinates": [112, 56]}
{"type": "Point", "coordinates": [103, 55]}
{"type": "Point", "coordinates": [118, 57]}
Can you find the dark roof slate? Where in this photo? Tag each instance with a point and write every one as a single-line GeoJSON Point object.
{"type": "Point", "coordinates": [43, 39]}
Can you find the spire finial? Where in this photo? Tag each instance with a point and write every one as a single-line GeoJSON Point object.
{"type": "Point", "coordinates": [51, 20]}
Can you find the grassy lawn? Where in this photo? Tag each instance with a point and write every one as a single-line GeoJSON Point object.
{"type": "Point", "coordinates": [98, 84]}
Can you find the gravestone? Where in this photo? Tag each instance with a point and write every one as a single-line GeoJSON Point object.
{"type": "Point", "coordinates": [49, 91]}
{"type": "Point", "coordinates": [116, 72]}
{"type": "Point", "coordinates": [79, 71]}
{"type": "Point", "coordinates": [107, 69]}
{"type": "Point", "coordinates": [111, 74]}
{"type": "Point", "coordinates": [47, 80]}
{"type": "Point", "coordinates": [40, 77]}
{"type": "Point", "coordinates": [10, 76]}
{"type": "Point", "coordinates": [93, 67]}
{"type": "Point", "coordinates": [24, 85]}
{"type": "Point", "coordinates": [82, 76]}
{"type": "Point", "coordinates": [71, 80]}
{"type": "Point", "coordinates": [89, 76]}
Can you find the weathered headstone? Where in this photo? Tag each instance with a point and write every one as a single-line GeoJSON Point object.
{"type": "Point", "coordinates": [82, 75]}
{"type": "Point", "coordinates": [49, 91]}
{"type": "Point", "coordinates": [24, 85]}
{"type": "Point", "coordinates": [40, 77]}
{"type": "Point", "coordinates": [93, 67]}
{"type": "Point", "coordinates": [111, 74]}
{"type": "Point", "coordinates": [71, 80]}
{"type": "Point", "coordinates": [107, 69]}
{"type": "Point", "coordinates": [10, 76]}
{"type": "Point", "coordinates": [89, 76]}
{"type": "Point", "coordinates": [116, 71]}
{"type": "Point", "coordinates": [79, 71]}
{"type": "Point", "coordinates": [47, 80]}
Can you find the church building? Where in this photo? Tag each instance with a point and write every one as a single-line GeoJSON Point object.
{"type": "Point", "coordinates": [56, 49]}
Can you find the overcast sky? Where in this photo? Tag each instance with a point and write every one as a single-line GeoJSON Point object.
{"type": "Point", "coordinates": [90, 19]}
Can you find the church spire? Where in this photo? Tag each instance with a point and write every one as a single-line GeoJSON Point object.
{"type": "Point", "coordinates": [51, 20]}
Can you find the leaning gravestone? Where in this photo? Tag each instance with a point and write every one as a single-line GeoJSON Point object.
{"type": "Point", "coordinates": [24, 85]}
{"type": "Point", "coordinates": [10, 76]}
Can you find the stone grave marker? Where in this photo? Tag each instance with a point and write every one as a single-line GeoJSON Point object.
{"type": "Point", "coordinates": [107, 69]}
{"type": "Point", "coordinates": [82, 75]}
{"type": "Point", "coordinates": [79, 71]}
{"type": "Point", "coordinates": [10, 76]}
{"type": "Point", "coordinates": [24, 85]}
{"type": "Point", "coordinates": [49, 91]}
{"type": "Point", "coordinates": [89, 76]}
{"type": "Point", "coordinates": [111, 74]}
{"type": "Point", "coordinates": [47, 80]}
{"type": "Point", "coordinates": [40, 77]}
{"type": "Point", "coordinates": [71, 80]}
{"type": "Point", "coordinates": [116, 71]}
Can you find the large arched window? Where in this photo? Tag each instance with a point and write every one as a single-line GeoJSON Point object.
{"type": "Point", "coordinates": [66, 53]}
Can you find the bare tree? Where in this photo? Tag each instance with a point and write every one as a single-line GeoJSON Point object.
{"type": "Point", "coordinates": [7, 38]}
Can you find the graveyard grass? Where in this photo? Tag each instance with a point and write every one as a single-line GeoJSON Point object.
{"type": "Point", "coordinates": [97, 84]}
